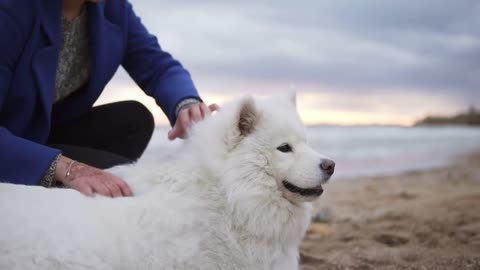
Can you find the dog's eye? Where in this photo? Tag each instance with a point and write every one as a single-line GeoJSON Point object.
{"type": "Point", "coordinates": [285, 148]}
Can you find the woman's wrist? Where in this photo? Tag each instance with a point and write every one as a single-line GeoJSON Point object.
{"type": "Point", "coordinates": [64, 164]}
{"type": "Point", "coordinates": [48, 179]}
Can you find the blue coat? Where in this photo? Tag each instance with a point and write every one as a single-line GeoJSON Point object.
{"type": "Point", "coordinates": [30, 34]}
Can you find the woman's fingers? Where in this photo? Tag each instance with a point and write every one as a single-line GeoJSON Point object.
{"type": "Point", "coordinates": [204, 110]}
{"type": "Point", "coordinates": [101, 188]}
{"type": "Point", "coordinates": [213, 107]}
{"type": "Point", "coordinates": [124, 188]}
{"type": "Point", "coordinates": [86, 189]}
{"type": "Point", "coordinates": [107, 187]}
{"type": "Point", "coordinates": [195, 114]}
{"type": "Point", "coordinates": [82, 187]}
{"type": "Point", "coordinates": [113, 187]}
{"type": "Point", "coordinates": [178, 130]}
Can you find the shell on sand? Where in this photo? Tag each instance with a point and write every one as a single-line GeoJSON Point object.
{"type": "Point", "coordinates": [319, 229]}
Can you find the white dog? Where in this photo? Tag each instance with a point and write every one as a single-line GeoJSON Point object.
{"type": "Point", "coordinates": [235, 195]}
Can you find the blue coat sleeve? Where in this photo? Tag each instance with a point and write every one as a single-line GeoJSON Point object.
{"type": "Point", "coordinates": [155, 71]}
{"type": "Point", "coordinates": [21, 161]}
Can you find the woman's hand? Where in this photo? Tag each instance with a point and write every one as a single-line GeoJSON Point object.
{"type": "Point", "coordinates": [89, 180]}
{"type": "Point", "coordinates": [188, 115]}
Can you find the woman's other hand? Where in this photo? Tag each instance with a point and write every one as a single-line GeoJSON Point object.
{"type": "Point", "coordinates": [188, 115]}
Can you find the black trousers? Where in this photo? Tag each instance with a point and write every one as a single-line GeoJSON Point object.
{"type": "Point", "coordinates": [108, 135]}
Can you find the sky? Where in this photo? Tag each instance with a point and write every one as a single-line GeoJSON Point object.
{"type": "Point", "coordinates": [350, 62]}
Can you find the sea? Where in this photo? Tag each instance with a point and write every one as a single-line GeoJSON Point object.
{"type": "Point", "coordinates": [361, 151]}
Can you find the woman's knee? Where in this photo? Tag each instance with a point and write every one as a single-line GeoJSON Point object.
{"type": "Point", "coordinates": [140, 119]}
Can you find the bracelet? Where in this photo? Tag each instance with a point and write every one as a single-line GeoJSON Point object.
{"type": "Point", "coordinates": [69, 168]}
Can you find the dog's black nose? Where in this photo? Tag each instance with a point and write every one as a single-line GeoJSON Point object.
{"type": "Point", "coordinates": [327, 166]}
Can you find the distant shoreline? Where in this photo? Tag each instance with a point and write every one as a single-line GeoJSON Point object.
{"type": "Point", "coordinates": [415, 171]}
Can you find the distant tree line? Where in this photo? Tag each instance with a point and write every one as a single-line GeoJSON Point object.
{"type": "Point", "coordinates": [471, 118]}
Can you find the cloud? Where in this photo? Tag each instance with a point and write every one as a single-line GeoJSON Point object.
{"type": "Point", "coordinates": [428, 48]}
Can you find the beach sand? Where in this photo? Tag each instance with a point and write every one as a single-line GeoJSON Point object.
{"type": "Point", "coordinates": [419, 220]}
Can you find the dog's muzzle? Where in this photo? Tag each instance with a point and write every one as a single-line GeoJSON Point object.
{"type": "Point", "coordinates": [307, 192]}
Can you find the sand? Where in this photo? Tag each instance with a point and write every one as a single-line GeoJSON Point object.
{"type": "Point", "coordinates": [419, 220]}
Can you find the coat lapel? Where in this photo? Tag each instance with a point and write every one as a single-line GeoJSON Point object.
{"type": "Point", "coordinates": [44, 62]}
{"type": "Point", "coordinates": [105, 46]}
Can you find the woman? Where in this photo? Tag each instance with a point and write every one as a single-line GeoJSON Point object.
{"type": "Point", "coordinates": [56, 56]}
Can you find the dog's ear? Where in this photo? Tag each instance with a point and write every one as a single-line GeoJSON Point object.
{"type": "Point", "coordinates": [292, 96]}
{"type": "Point", "coordinates": [247, 116]}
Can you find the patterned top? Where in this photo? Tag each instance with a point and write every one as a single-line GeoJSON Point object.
{"type": "Point", "coordinates": [73, 70]}
{"type": "Point", "coordinates": [73, 67]}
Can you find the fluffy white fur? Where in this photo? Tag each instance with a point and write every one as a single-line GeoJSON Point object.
{"type": "Point", "coordinates": [217, 202]}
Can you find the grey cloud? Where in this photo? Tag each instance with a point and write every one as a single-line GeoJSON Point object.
{"type": "Point", "coordinates": [371, 45]}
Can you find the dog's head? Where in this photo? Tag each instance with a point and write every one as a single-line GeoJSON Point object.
{"type": "Point", "coordinates": [266, 145]}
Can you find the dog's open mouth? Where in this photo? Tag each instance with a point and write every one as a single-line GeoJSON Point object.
{"type": "Point", "coordinates": [315, 191]}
